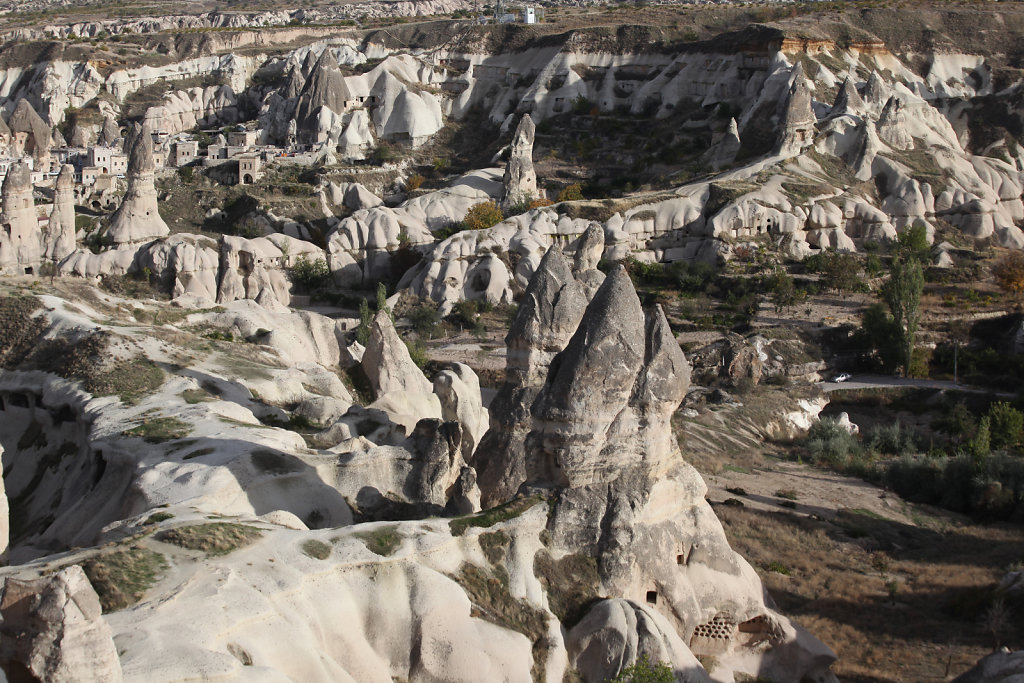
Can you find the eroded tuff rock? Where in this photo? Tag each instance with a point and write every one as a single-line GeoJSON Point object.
{"type": "Point", "coordinates": [387, 362]}
{"type": "Point", "coordinates": [52, 630]}
{"type": "Point", "coordinates": [60, 232]}
{"type": "Point", "coordinates": [589, 250]}
{"type": "Point", "coordinates": [600, 443]}
{"type": "Point", "coordinates": [848, 100]}
{"type": "Point", "coordinates": [892, 125]}
{"type": "Point", "coordinates": [797, 125]}
{"type": "Point", "coordinates": [547, 317]}
{"type": "Point", "coordinates": [520, 178]}
{"type": "Point", "coordinates": [616, 633]}
{"type": "Point", "coordinates": [458, 388]}
{"type": "Point", "coordinates": [20, 240]}
{"type": "Point", "coordinates": [30, 135]}
{"type": "Point", "coordinates": [137, 219]}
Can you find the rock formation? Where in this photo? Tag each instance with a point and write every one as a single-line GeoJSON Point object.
{"type": "Point", "coordinates": [60, 233]}
{"type": "Point", "coordinates": [617, 632]}
{"type": "Point", "coordinates": [728, 146]}
{"type": "Point", "coordinates": [5, 138]}
{"type": "Point", "coordinates": [892, 125]}
{"type": "Point", "coordinates": [547, 317]}
{"type": "Point", "coordinates": [52, 630]}
{"type": "Point", "coordinates": [848, 100]}
{"type": "Point", "coordinates": [875, 91]}
{"type": "Point", "coordinates": [324, 89]}
{"type": "Point", "coordinates": [796, 129]}
{"type": "Point", "coordinates": [520, 178]}
{"type": "Point", "coordinates": [601, 445]}
{"type": "Point", "coordinates": [30, 135]}
{"type": "Point", "coordinates": [458, 388]}
{"type": "Point", "coordinates": [138, 219]}
{"type": "Point", "coordinates": [110, 133]}
{"type": "Point", "coordinates": [387, 362]}
{"type": "Point", "coordinates": [20, 239]}
{"type": "Point", "coordinates": [589, 250]}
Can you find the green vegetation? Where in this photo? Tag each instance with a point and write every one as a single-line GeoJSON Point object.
{"type": "Point", "coordinates": [310, 275]}
{"type": "Point", "coordinates": [318, 550]}
{"type": "Point", "coordinates": [158, 517]}
{"type": "Point", "coordinates": [382, 541]}
{"type": "Point", "coordinates": [160, 429]}
{"type": "Point", "coordinates": [495, 515]}
{"type": "Point", "coordinates": [122, 577]}
{"type": "Point", "coordinates": [644, 671]}
{"type": "Point", "coordinates": [217, 538]}
{"type": "Point", "coordinates": [902, 293]}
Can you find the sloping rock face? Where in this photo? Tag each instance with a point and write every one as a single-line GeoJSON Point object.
{"type": "Point", "coordinates": [325, 89]}
{"type": "Point", "coordinates": [520, 178]}
{"type": "Point", "coordinates": [387, 363]}
{"type": "Point", "coordinates": [617, 632]}
{"type": "Point", "coordinates": [999, 667]}
{"type": "Point", "coordinates": [20, 238]}
{"type": "Point", "coordinates": [30, 135]}
{"type": "Point", "coordinates": [547, 316]}
{"type": "Point", "coordinates": [892, 125]}
{"type": "Point", "coordinates": [60, 233]}
{"type": "Point", "coordinates": [797, 126]}
{"type": "Point", "coordinates": [52, 630]}
{"type": "Point", "coordinates": [138, 219]}
{"type": "Point", "coordinates": [848, 100]}
{"type": "Point", "coordinates": [600, 444]}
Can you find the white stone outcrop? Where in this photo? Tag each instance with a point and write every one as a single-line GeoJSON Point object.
{"type": "Point", "coordinates": [21, 246]}
{"type": "Point", "coordinates": [60, 239]}
{"type": "Point", "coordinates": [52, 629]}
{"type": "Point", "coordinates": [520, 179]}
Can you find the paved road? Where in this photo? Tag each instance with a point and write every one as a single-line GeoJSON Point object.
{"type": "Point", "coordinates": [883, 381]}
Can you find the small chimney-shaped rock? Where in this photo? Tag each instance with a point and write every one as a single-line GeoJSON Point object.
{"type": "Point", "coordinates": [728, 146]}
{"type": "Point", "coordinates": [138, 218]}
{"type": "Point", "coordinates": [60, 234]}
{"type": "Point", "coordinates": [520, 178]}
{"type": "Point", "coordinates": [110, 133]}
{"type": "Point", "coordinates": [30, 135]}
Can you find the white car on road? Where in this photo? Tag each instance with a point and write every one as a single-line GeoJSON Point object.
{"type": "Point", "coordinates": [841, 377]}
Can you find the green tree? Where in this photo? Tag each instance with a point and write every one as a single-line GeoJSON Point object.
{"type": "Point", "coordinates": [1006, 425]}
{"type": "Point", "coordinates": [913, 243]}
{"type": "Point", "coordinates": [643, 671]}
{"type": "Point", "coordinates": [382, 301]}
{"type": "Point", "coordinates": [841, 272]}
{"type": "Point", "coordinates": [883, 335]}
{"type": "Point", "coordinates": [365, 318]}
{"type": "Point", "coordinates": [981, 444]}
{"type": "Point", "coordinates": [783, 290]}
{"type": "Point", "coordinates": [902, 293]}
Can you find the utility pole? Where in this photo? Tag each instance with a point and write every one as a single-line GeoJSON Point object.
{"type": "Point", "coordinates": [956, 354]}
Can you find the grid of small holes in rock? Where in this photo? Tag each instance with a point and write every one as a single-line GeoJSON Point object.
{"type": "Point", "coordinates": [721, 627]}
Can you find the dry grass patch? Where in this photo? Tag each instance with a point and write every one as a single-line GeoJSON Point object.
{"type": "Point", "coordinates": [383, 541]}
{"type": "Point", "coordinates": [122, 577]}
{"type": "Point", "coordinates": [218, 538]}
{"type": "Point", "coordinates": [898, 603]}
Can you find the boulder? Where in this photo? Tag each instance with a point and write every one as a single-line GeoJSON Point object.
{"type": "Point", "coordinates": [616, 633]}
{"type": "Point", "coordinates": [53, 630]}
{"type": "Point", "coordinates": [1004, 666]}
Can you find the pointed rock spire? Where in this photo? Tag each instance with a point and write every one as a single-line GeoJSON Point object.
{"type": "Point", "coordinates": [138, 218]}
{"type": "Point", "coordinates": [60, 233]}
{"type": "Point", "coordinates": [520, 178]}
{"type": "Point", "coordinates": [876, 91]}
{"type": "Point", "coordinates": [547, 316]}
{"type": "Point", "coordinates": [110, 133]}
{"type": "Point", "coordinates": [892, 125]}
{"type": "Point", "coordinates": [848, 100]}
{"type": "Point", "coordinates": [387, 362]}
{"type": "Point", "coordinates": [20, 240]}
{"type": "Point", "coordinates": [31, 134]}
{"type": "Point", "coordinates": [798, 120]}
